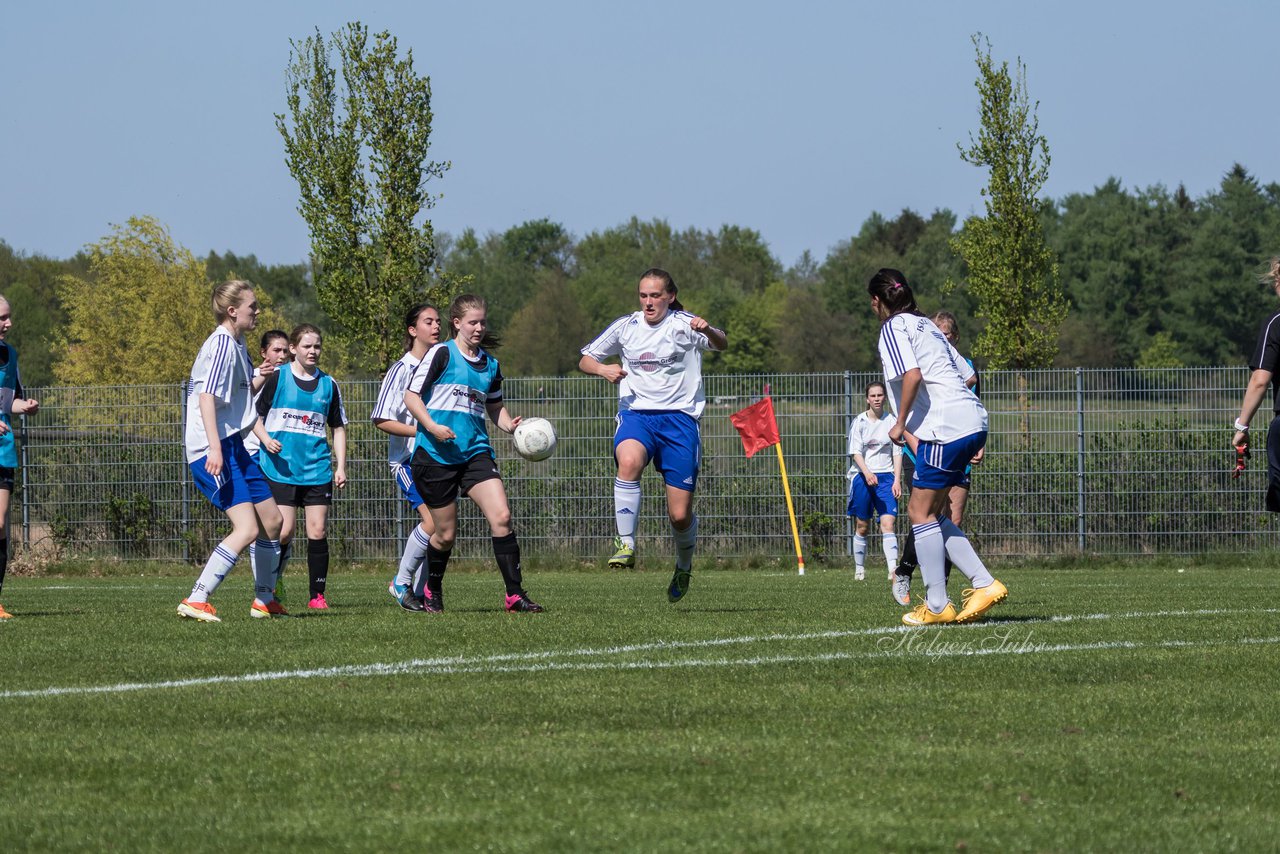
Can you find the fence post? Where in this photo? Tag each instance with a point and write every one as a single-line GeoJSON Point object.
{"type": "Point", "coordinates": [186, 481]}
{"type": "Point", "coordinates": [1080, 459]}
{"type": "Point", "coordinates": [26, 486]}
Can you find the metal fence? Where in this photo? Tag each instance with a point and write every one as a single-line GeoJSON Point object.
{"type": "Point", "coordinates": [1117, 462]}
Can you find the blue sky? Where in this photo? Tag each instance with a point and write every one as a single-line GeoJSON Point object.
{"type": "Point", "coordinates": [796, 119]}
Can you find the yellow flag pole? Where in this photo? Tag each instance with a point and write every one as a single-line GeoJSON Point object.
{"type": "Point", "coordinates": [791, 510]}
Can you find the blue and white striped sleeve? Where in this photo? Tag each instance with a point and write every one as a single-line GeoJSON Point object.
{"type": "Point", "coordinates": [391, 396]}
{"type": "Point", "coordinates": [222, 369]}
{"type": "Point", "coordinates": [609, 342]}
{"type": "Point", "coordinates": [896, 353]}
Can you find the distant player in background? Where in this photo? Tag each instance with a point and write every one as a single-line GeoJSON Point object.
{"type": "Point", "coordinates": [947, 424]}
{"type": "Point", "coordinates": [219, 414]}
{"type": "Point", "coordinates": [296, 404]}
{"type": "Point", "coordinates": [1265, 373]}
{"type": "Point", "coordinates": [274, 352]}
{"type": "Point", "coordinates": [422, 332]}
{"type": "Point", "coordinates": [455, 386]}
{"type": "Point", "coordinates": [13, 401]}
{"type": "Point", "coordinates": [875, 480]}
{"type": "Point", "coordinates": [958, 498]}
{"type": "Point", "coordinates": [660, 400]}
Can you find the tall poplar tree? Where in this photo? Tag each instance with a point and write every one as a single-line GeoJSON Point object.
{"type": "Point", "coordinates": [357, 144]}
{"type": "Point", "coordinates": [1011, 270]}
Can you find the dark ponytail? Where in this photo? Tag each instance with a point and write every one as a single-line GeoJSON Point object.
{"type": "Point", "coordinates": [891, 288]}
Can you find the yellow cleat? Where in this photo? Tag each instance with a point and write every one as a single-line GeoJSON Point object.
{"type": "Point", "coordinates": [624, 557]}
{"type": "Point", "coordinates": [5, 615]}
{"type": "Point", "coordinates": [978, 602]}
{"type": "Point", "coordinates": [922, 616]}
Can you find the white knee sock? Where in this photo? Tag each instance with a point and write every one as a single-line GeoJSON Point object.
{"type": "Point", "coordinates": [962, 555]}
{"type": "Point", "coordinates": [891, 550]}
{"type": "Point", "coordinates": [929, 551]}
{"type": "Point", "coordinates": [859, 551]}
{"type": "Point", "coordinates": [685, 541]}
{"type": "Point", "coordinates": [215, 569]}
{"type": "Point", "coordinates": [415, 549]}
{"type": "Point", "coordinates": [265, 558]}
{"type": "Point", "coordinates": [626, 509]}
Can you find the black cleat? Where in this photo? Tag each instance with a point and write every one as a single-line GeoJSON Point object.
{"type": "Point", "coordinates": [521, 602]}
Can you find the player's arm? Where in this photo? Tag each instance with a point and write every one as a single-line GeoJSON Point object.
{"type": "Point", "coordinates": [589, 364]}
{"type": "Point", "coordinates": [910, 387]}
{"type": "Point", "coordinates": [1254, 393]}
{"type": "Point", "coordinates": [716, 337]}
{"type": "Point", "coordinates": [209, 417]}
{"type": "Point", "coordinates": [897, 472]}
{"type": "Point", "coordinates": [500, 416]}
{"type": "Point", "coordinates": [337, 419]}
{"type": "Point", "coordinates": [340, 454]}
{"type": "Point", "coordinates": [383, 416]}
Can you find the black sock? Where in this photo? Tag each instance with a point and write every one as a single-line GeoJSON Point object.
{"type": "Point", "coordinates": [432, 576]}
{"type": "Point", "coordinates": [318, 564]}
{"type": "Point", "coordinates": [4, 560]}
{"type": "Point", "coordinates": [507, 552]}
{"type": "Point", "coordinates": [908, 563]}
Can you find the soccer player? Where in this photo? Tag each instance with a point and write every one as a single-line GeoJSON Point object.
{"type": "Point", "coordinates": [954, 507]}
{"type": "Point", "coordinates": [13, 401]}
{"type": "Point", "coordinates": [1264, 368]}
{"type": "Point", "coordinates": [455, 386]}
{"type": "Point", "coordinates": [947, 424]}
{"type": "Point", "coordinates": [660, 400]}
{"type": "Point", "coordinates": [274, 351]}
{"type": "Point", "coordinates": [875, 480]}
{"type": "Point", "coordinates": [219, 414]}
{"type": "Point", "coordinates": [422, 331]}
{"type": "Point", "coordinates": [295, 406]}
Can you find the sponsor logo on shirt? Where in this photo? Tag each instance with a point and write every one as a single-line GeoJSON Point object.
{"type": "Point", "coordinates": [650, 362]}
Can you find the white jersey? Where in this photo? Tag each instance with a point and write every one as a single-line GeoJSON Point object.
{"type": "Point", "coordinates": [390, 407]}
{"type": "Point", "coordinates": [945, 409]}
{"type": "Point", "coordinates": [663, 362]}
{"type": "Point", "coordinates": [222, 369]}
{"type": "Point", "coordinates": [870, 437]}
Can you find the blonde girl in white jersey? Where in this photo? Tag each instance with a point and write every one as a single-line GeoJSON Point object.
{"type": "Point", "coordinates": [219, 414]}
{"type": "Point", "coordinates": [660, 400]}
{"type": "Point", "coordinates": [875, 479]}
{"type": "Point", "coordinates": [945, 424]}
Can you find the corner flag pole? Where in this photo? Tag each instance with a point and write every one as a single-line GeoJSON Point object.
{"type": "Point", "coordinates": [758, 426]}
{"type": "Point", "coordinates": [791, 510]}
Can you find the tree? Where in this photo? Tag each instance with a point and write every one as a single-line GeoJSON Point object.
{"type": "Point", "coordinates": [1011, 270]}
{"type": "Point", "coordinates": [546, 335]}
{"type": "Point", "coordinates": [140, 315]}
{"type": "Point", "coordinates": [358, 150]}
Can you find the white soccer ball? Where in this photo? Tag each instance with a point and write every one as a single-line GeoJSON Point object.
{"type": "Point", "coordinates": [535, 439]}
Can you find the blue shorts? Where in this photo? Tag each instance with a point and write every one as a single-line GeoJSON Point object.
{"type": "Point", "coordinates": [671, 439]}
{"type": "Point", "coordinates": [942, 466]}
{"type": "Point", "coordinates": [240, 482]}
{"type": "Point", "coordinates": [404, 479]}
{"type": "Point", "coordinates": [863, 500]}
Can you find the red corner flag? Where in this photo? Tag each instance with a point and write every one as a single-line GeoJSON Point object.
{"type": "Point", "coordinates": [757, 425]}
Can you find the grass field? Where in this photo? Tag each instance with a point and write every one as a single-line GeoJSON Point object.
{"type": "Point", "coordinates": [1130, 707]}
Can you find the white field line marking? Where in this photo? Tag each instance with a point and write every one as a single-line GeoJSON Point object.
{"type": "Point", "coordinates": [932, 646]}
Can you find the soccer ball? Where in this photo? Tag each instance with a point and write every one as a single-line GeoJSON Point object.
{"type": "Point", "coordinates": [535, 439]}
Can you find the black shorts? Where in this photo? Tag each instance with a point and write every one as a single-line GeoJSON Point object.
{"type": "Point", "coordinates": [6, 478]}
{"type": "Point", "coordinates": [1273, 466]}
{"type": "Point", "coordinates": [293, 495]}
{"type": "Point", "coordinates": [439, 484]}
